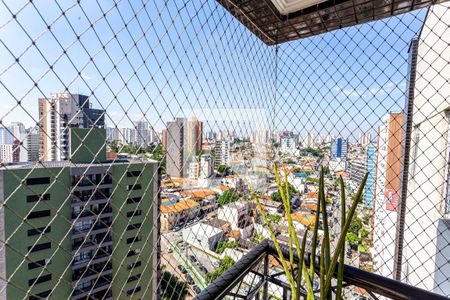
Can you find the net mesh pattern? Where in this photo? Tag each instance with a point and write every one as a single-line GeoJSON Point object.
{"type": "Point", "coordinates": [132, 131]}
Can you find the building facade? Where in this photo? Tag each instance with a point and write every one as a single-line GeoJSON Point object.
{"type": "Point", "coordinates": [339, 148]}
{"type": "Point", "coordinates": [388, 183]}
{"type": "Point", "coordinates": [86, 225]}
{"type": "Point", "coordinates": [223, 153]}
{"type": "Point", "coordinates": [57, 114]}
{"type": "Point", "coordinates": [426, 237]}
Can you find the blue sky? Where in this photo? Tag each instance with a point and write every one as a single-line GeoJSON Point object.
{"type": "Point", "coordinates": [194, 56]}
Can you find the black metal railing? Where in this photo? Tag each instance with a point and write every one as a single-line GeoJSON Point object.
{"type": "Point", "coordinates": [255, 266]}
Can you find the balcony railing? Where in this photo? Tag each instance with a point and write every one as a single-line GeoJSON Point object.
{"type": "Point", "coordinates": [251, 276]}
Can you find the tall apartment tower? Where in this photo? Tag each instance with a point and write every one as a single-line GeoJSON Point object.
{"type": "Point", "coordinates": [57, 114]}
{"type": "Point", "coordinates": [222, 150]}
{"type": "Point", "coordinates": [142, 133]}
{"type": "Point", "coordinates": [79, 230]}
{"type": "Point", "coordinates": [339, 148]}
{"type": "Point", "coordinates": [387, 192]}
{"type": "Point", "coordinates": [426, 250]}
{"type": "Point", "coordinates": [32, 144]}
{"type": "Point", "coordinates": [176, 158]}
{"type": "Point", "coordinates": [194, 136]}
{"type": "Point", "coordinates": [183, 140]}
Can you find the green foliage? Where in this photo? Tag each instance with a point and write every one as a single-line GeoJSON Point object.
{"type": "Point", "coordinates": [223, 168]}
{"type": "Point", "coordinates": [313, 152]}
{"type": "Point", "coordinates": [224, 264]}
{"type": "Point", "coordinates": [228, 197]}
{"type": "Point", "coordinates": [274, 218]}
{"type": "Point", "coordinates": [222, 245]}
{"type": "Point", "coordinates": [257, 238]}
{"type": "Point", "coordinates": [171, 287]}
{"type": "Point", "coordinates": [276, 196]}
{"type": "Point", "coordinates": [353, 239]}
{"type": "Point", "coordinates": [328, 263]}
{"type": "Point", "coordinates": [355, 225]}
{"type": "Point", "coordinates": [364, 232]}
{"type": "Point", "coordinates": [312, 179]}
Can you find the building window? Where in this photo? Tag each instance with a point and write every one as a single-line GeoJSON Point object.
{"type": "Point", "coordinates": [134, 173]}
{"type": "Point", "coordinates": [38, 264]}
{"type": "Point", "coordinates": [134, 265]}
{"type": "Point", "coordinates": [40, 296]}
{"type": "Point", "coordinates": [39, 247]}
{"type": "Point", "coordinates": [134, 239]}
{"type": "Point", "coordinates": [40, 279]}
{"type": "Point", "coordinates": [134, 213]}
{"type": "Point", "coordinates": [134, 226]}
{"type": "Point", "coordinates": [133, 252]}
{"type": "Point", "coordinates": [133, 200]}
{"type": "Point", "coordinates": [38, 180]}
{"type": "Point", "coordinates": [133, 291]}
{"type": "Point", "coordinates": [35, 198]}
{"type": "Point", "coordinates": [133, 278]}
{"type": "Point", "coordinates": [38, 214]}
{"type": "Point", "coordinates": [40, 230]}
{"type": "Point", "coordinates": [133, 187]}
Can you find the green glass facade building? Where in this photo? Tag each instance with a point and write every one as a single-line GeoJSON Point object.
{"type": "Point", "coordinates": [79, 229]}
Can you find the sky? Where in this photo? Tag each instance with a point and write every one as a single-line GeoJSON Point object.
{"type": "Point", "coordinates": [156, 60]}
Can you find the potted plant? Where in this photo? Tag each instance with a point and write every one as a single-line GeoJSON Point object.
{"type": "Point", "coordinates": [328, 262]}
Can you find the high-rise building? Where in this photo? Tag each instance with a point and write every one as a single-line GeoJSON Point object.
{"type": "Point", "coordinates": [87, 224]}
{"type": "Point", "coordinates": [339, 148]}
{"type": "Point", "coordinates": [126, 136]}
{"type": "Point", "coordinates": [287, 143]}
{"type": "Point", "coordinates": [183, 141]}
{"type": "Point", "coordinates": [223, 155]}
{"type": "Point", "coordinates": [364, 138]}
{"type": "Point", "coordinates": [57, 114]}
{"type": "Point", "coordinates": [142, 133]}
{"type": "Point", "coordinates": [194, 135]}
{"type": "Point", "coordinates": [426, 251]}
{"type": "Point", "coordinates": [16, 151]}
{"type": "Point", "coordinates": [388, 183]}
{"type": "Point", "coordinates": [308, 140]}
{"type": "Point", "coordinates": [359, 166]}
{"type": "Point", "coordinates": [32, 145]}
{"type": "Point", "coordinates": [371, 163]}
{"type": "Point", "coordinates": [6, 136]}
{"type": "Point", "coordinates": [6, 153]}
{"type": "Point", "coordinates": [260, 137]}
{"type": "Point", "coordinates": [112, 134]}
{"type": "Point", "coordinates": [176, 158]}
{"type": "Point", "coordinates": [18, 130]}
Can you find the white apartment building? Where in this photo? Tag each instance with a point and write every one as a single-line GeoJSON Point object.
{"type": "Point", "coordinates": [387, 190]}
{"type": "Point", "coordinates": [426, 250]}
{"type": "Point", "coordinates": [6, 153]}
{"type": "Point", "coordinates": [222, 150]}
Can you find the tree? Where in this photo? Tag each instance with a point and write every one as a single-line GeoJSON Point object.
{"type": "Point", "coordinates": [353, 239]}
{"type": "Point", "coordinates": [355, 225]}
{"type": "Point", "coordinates": [171, 287]}
{"type": "Point", "coordinates": [224, 264]}
{"type": "Point", "coordinates": [222, 168]}
{"type": "Point", "coordinates": [274, 218]}
{"type": "Point", "coordinates": [228, 197]}
{"type": "Point", "coordinates": [222, 245]}
{"type": "Point", "coordinates": [276, 196]}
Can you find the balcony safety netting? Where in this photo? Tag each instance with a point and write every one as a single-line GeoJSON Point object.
{"type": "Point", "coordinates": [132, 132]}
